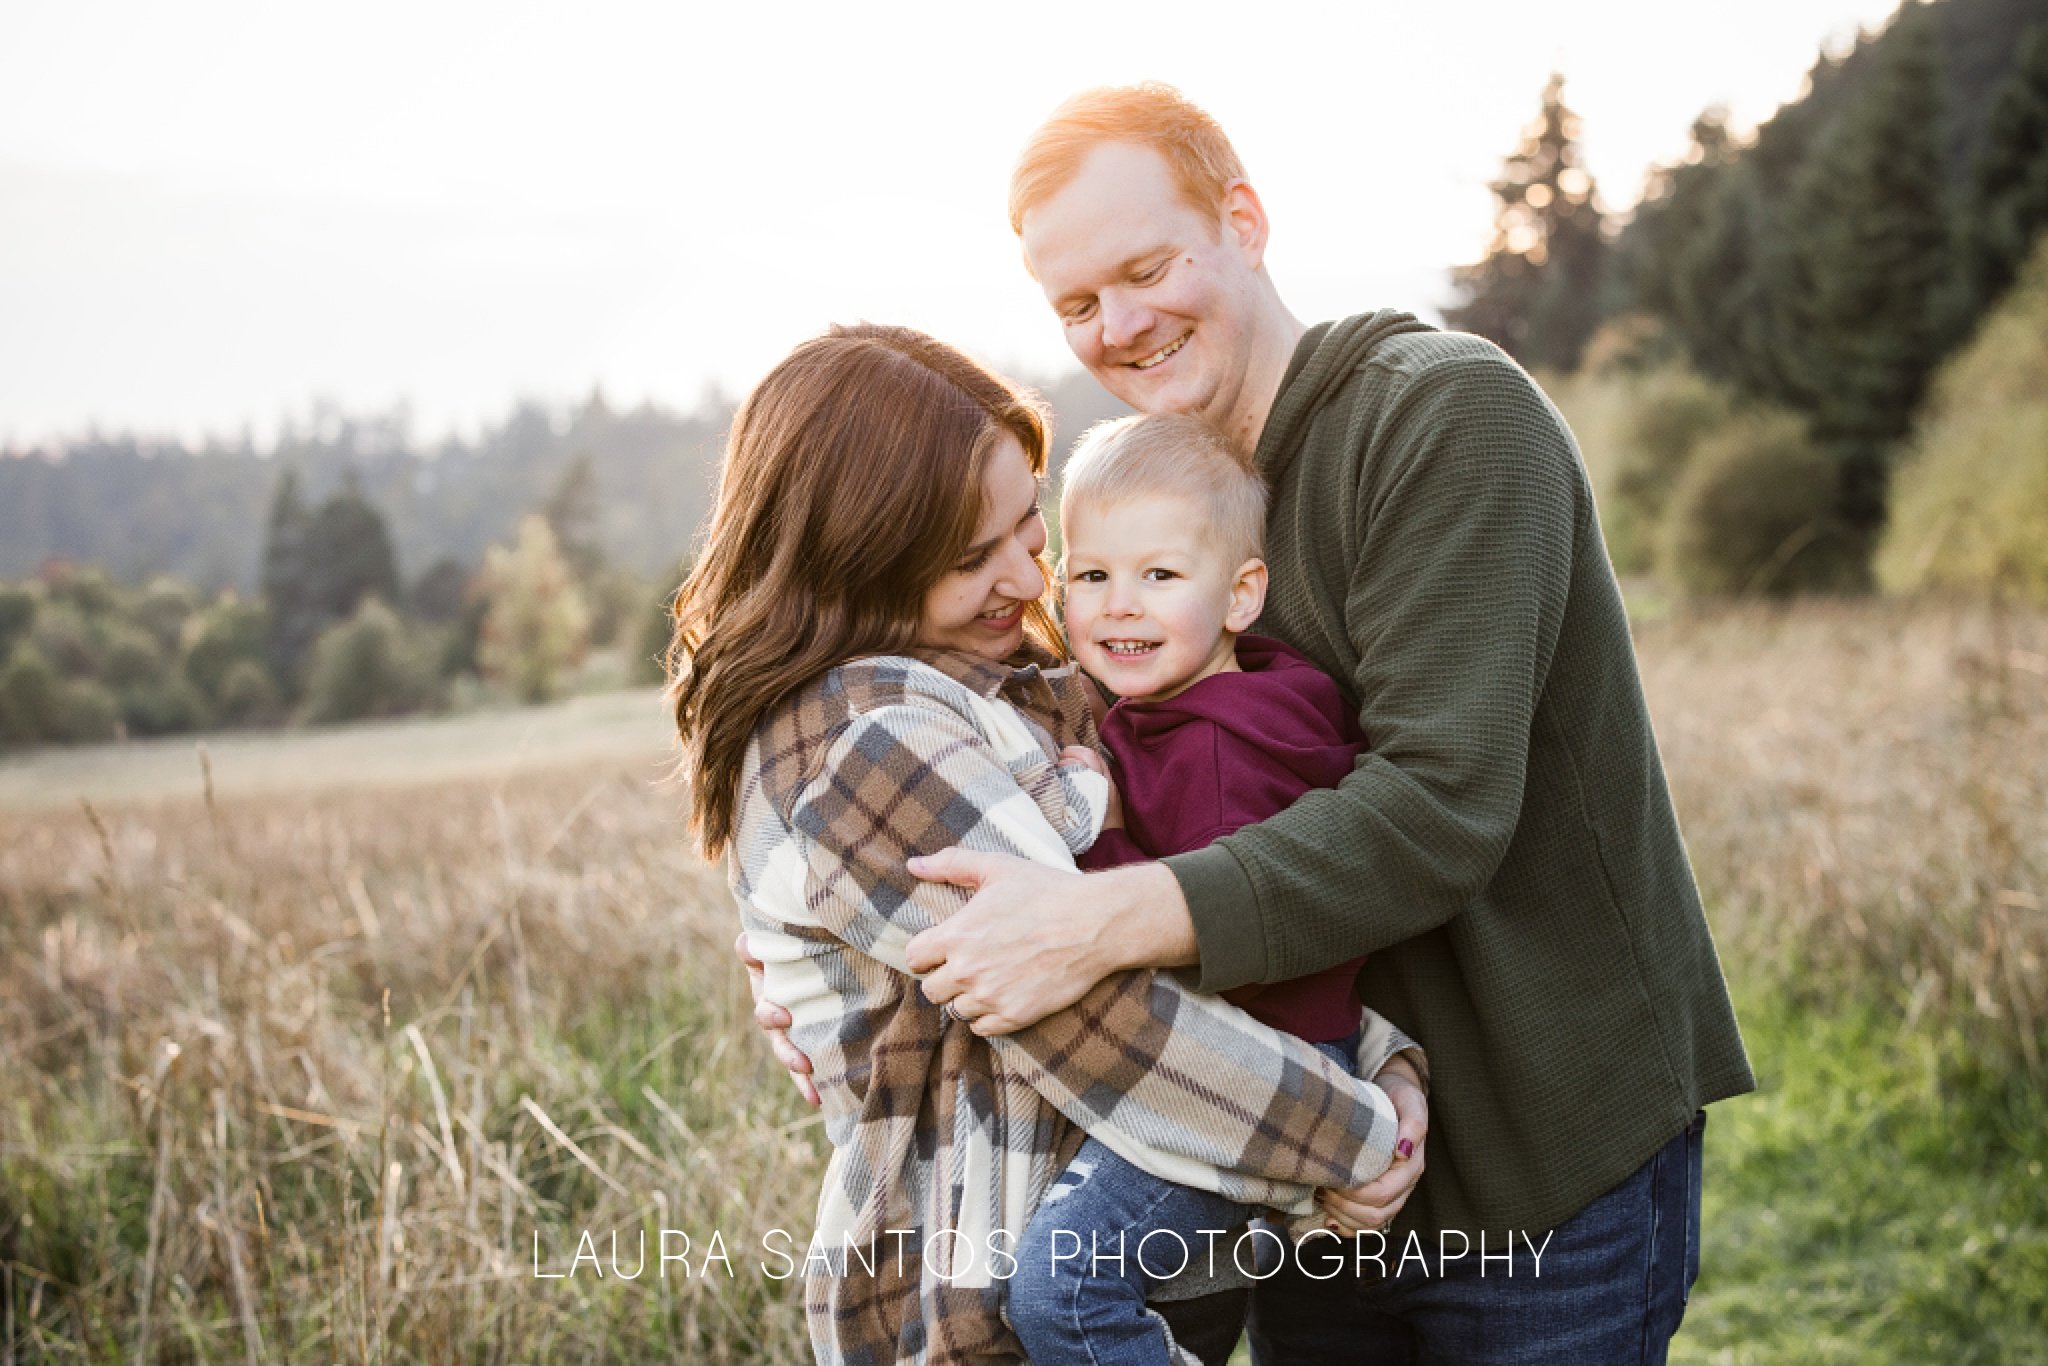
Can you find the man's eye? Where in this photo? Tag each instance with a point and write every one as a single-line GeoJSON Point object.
{"type": "Point", "coordinates": [1149, 276]}
{"type": "Point", "coordinates": [1079, 314]}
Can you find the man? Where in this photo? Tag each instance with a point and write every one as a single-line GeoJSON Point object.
{"type": "Point", "coordinates": [1506, 853]}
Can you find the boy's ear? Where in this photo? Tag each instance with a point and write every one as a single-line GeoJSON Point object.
{"type": "Point", "coordinates": [1247, 596]}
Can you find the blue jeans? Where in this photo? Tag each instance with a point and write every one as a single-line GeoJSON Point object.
{"type": "Point", "coordinates": [1609, 1286]}
{"type": "Point", "coordinates": [1078, 1295]}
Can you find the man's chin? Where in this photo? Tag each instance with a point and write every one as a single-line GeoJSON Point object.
{"type": "Point", "coordinates": [1157, 400]}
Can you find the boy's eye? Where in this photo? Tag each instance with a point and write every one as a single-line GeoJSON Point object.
{"type": "Point", "coordinates": [1160, 575]}
{"type": "Point", "coordinates": [1089, 576]}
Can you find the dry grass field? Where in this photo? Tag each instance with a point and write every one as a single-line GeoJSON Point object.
{"type": "Point", "coordinates": [322, 1069]}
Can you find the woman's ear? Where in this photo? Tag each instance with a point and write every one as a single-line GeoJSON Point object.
{"type": "Point", "coordinates": [1247, 596]}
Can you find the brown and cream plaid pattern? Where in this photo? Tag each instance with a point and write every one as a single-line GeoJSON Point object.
{"type": "Point", "coordinates": [943, 1141]}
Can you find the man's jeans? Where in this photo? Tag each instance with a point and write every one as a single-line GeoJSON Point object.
{"type": "Point", "coordinates": [1613, 1284]}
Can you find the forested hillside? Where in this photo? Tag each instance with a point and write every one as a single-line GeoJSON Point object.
{"type": "Point", "coordinates": [143, 507]}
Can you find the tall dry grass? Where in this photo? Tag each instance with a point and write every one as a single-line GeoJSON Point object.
{"type": "Point", "coordinates": [1863, 788]}
{"type": "Point", "coordinates": [303, 1077]}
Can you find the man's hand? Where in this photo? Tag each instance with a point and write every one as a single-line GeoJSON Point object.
{"type": "Point", "coordinates": [1374, 1205]}
{"type": "Point", "coordinates": [775, 1023]}
{"type": "Point", "coordinates": [1034, 939]}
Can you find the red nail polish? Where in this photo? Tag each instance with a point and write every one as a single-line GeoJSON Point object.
{"type": "Point", "coordinates": [1406, 1147]}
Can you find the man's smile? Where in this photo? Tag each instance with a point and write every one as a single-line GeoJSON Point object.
{"type": "Point", "coordinates": [1163, 353]}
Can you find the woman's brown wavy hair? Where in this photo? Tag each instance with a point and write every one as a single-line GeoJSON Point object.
{"type": "Point", "coordinates": [851, 485]}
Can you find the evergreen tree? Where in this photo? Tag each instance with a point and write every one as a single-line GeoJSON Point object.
{"type": "Point", "coordinates": [318, 567]}
{"type": "Point", "coordinates": [2009, 182]}
{"type": "Point", "coordinates": [571, 511]}
{"type": "Point", "coordinates": [294, 621]}
{"type": "Point", "coordinates": [348, 555]}
{"type": "Point", "coordinates": [1537, 291]}
{"type": "Point", "coordinates": [1872, 294]}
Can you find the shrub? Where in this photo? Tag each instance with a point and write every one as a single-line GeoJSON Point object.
{"type": "Point", "coordinates": [65, 636]}
{"type": "Point", "coordinates": [1969, 509]}
{"type": "Point", "coordinates": [40, 706]}
{"type": "Point", "coordinates": [223, 636]}
{"type": "Point", "coordinates": [1755, 512]}
{"type": "Point", "coordinates": [247, 696]}
{"type": "Point", "coordinates": [162, 608]}
{"type": "Point", "coordinates": [28, 697]}
{"type": "Point", "coordinates": [1670, 412]}
{"type": "Point", "coordinates": [86, 712]}
{"type": "Point", "coordinates": [130, 656]}
{"type": "Point", "coordinates": [166, 705]}
{"type": "Point", "coordinates": [367, 666]}
{"type": "Point", "coordinates": [537, 626]}
{"type": "Point", "coordinates": [17, 614]}
{"type": "Point", "coordinates": [1638, 431]}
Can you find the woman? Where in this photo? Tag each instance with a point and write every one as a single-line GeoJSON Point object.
{"type": "Point", "coordinates": [865, 669]}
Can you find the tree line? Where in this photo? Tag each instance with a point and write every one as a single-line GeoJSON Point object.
{"type": "Point", "coordinates": [381, 579]}
{"type": "Point", "coordinates": [1787, 302]}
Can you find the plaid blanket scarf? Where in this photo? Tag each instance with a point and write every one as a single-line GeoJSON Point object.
{"type": "Point", "coordinates": [943, 1142]}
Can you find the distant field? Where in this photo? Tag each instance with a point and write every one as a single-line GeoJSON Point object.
{"type": "Point", "coordinates": [320, 1071]}
{"type": "Point", "coordinates": [621, 726]}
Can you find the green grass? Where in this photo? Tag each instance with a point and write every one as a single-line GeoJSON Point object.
{"type": "Point", "coordinates": [1877, 1200]}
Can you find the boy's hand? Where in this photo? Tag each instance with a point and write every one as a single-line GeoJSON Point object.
{"type": "Point", "coordinates": [1083, 757]}
{"type": "Point", "coordinates": [775, 1023]}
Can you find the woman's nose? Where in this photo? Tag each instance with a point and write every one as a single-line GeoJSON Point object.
{"type": "Point", "coordinates": [1022, 579]}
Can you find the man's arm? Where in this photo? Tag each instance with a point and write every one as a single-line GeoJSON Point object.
{"type": "Point", "coordinates": [1454, 605]}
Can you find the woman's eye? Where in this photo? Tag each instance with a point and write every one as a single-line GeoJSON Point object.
{"type": "Point", "coordinates": [970, 565]}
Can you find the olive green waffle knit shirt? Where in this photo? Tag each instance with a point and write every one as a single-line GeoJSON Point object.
{"type": "Point", "coordinates": [1507, 851]}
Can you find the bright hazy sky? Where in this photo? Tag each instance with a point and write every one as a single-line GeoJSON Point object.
{"type": "Point", "coordinates": [213, 213]}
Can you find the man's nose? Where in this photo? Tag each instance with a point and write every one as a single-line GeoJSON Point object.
{"type": "Point", "coordinates": [1123, 321]}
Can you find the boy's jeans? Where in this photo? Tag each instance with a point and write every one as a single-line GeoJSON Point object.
{"type": "Point", "coordinates": [1074, 1300]}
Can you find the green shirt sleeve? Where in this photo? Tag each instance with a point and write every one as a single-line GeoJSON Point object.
{"type": "Point", "coordinates": [1470, 501]}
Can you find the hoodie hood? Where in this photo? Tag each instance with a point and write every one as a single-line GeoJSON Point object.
{"type": "Point", "coordinates": [1281, 705]}
{"type": "Point", "coordinates": [1325, 357]}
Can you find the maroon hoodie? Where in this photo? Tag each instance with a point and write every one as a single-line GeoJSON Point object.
{"type": "Point", "coordinates": [1226, 752]}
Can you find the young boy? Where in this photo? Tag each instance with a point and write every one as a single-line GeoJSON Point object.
{"type": "Point", "coordinates": [1215, 729]}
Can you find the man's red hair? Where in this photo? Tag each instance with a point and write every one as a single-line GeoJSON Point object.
{"type": "Point", "coordinates": [1150, 114]}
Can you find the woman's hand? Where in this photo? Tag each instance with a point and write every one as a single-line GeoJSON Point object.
{"type": "Point", "coordinates": [1373, 1205]}
{"type": "Point", "coordinates": [1080, 756]}
{"type": "Point", "coordinates": [775, 1023]}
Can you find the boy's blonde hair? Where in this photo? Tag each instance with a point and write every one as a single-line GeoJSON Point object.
{"type": "Point", "coordinates": [1151, 114]}
{"type": "Point", "coordinates": [1169, 455]}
